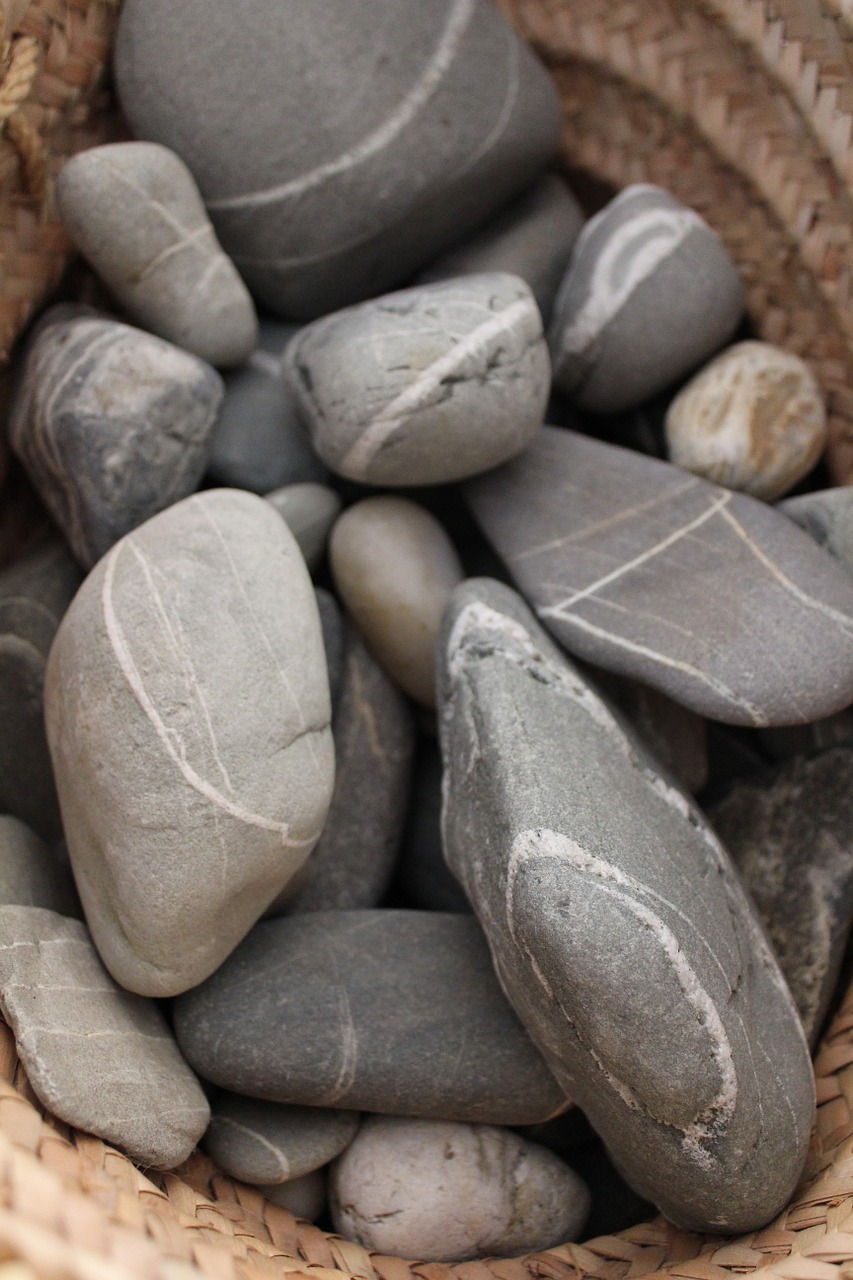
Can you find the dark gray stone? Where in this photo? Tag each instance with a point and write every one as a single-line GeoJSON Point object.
{"type": "Point", "coordinates": [391, 1011]}
{"type": "Point", "coordinates": [618, 927]}
{"type": "Point", "coordinates": [372, 133]}
{"type": "Point", "coordinates": [708, 595]}
{"type": "Point", "coordinates": [304, 1197]}
{"type": "Point", "coordinates": [30, 875]}
{"type": "Point", "coordinates": [805, 739]}
{"type": "Point", "coordinates": [332, 625]}
{"type": "Point", "coordinates": [267, 1143]}
{"type": "Point", "coordinates": [423, 876]}
{"type": "Point", "coordinates": [826, 516]}
{"type": "Point", "coordinates": [309, 511]}
{"type": "Point", "coordinates": [677, 737]}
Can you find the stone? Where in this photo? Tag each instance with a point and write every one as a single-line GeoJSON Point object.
{"type": "Point", "coordinates": [423, 876]}
{"type": "Point", "coordinates": [443, 1192]}
{"type": "Point", "coordinates": [650, 293]}
{"type": "Point", "coordinates": [531, 237]}
{"type": "Point", "coordinates": [96, 1056]}
{"type": "Point", "coordinates": [258, 442]}
{"type": "Point", "coordinates": [705, 594]}
{"type": "Point", "coordinates": [827, 516]}
{"type": "Point", "coordinates": [753, 420]}
{"type": "Point", "coordinates": [187, 709]}
{"type": "Point", "coordinates": [265, 1143]}
{"type": "Point", "coordinates": [134, 211]}
{"type": "Point", "coordinates": [394, 568]}
{"type": "Point", "coordinates": [112, 425]}
{"type": "Point", "coordinates": [304, 1197]}
{"type": "Point", "coordinates": [424, 386]}
{"type": "Point", "coordinates": [309, 511]}
{"type": "Point", "coordinates": [332, 627]}
{"type": "Point", "coordinates": [376, 1010]}
{"type": "Point", "coordinates": [618, 927]}
{"type": "Point", "coordinates": [676, 737]}
{"type": "Point", "coordinates": [30, 874]}
{"type": "Point", "coordinates": [790, 833]}
{"type": "Point", "coordinates": [406, 126]}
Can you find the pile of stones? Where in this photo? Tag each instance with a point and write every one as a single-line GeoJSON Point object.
{"type": "Point", "coordinates": [353, 718]}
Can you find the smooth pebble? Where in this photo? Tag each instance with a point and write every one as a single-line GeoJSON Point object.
{"type": "Point", "coordinates": [267, 1143]}
{"type": "Point", "coordinates": [309, 511]}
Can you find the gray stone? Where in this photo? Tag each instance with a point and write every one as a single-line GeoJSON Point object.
{"type": "Point", "coordinates": [618, 927]}
{"type": "Point", "coordinates": [424, 877]}
{"type": "Point", "coordinates": [443, 1192]}
{"type": "Point", "coordinates": [372, 133]}
{"type": "Point", "coordinates": [650, 294]}
{"type": "Point", "coordinates": [378, 1010]}
{"type": "Point", "coordinates": [309, 511]}
{"type": "Point", "coordinates": [826, 516]}
{"type": "Point", "coordinates": [708, 595]}
{"type": "Point", "coordinates": [194, 651]}
{"type": "Point", "coordinates": [112, 425]}
{"type": "Point", "coordinates": [332, 627]}
{"type": "Point", "coordinates": [97, 1057]}
{"type": "Point", "coordinates": [805, 739]}
{"type": "Point", "coordinates": [134, 210]}
{"type": "Point", "coordinates": [424, 386]}
{"type": "Point", "coordinates": [258, 442]}
{"type": "Point", "coordinates": [531, 237]}
{"type": "Point", "coordinates": [265, 1142]}
{"type": "Point", "coordinates": [304, 1197]}
{"type": "Point", "coordinates": [790, 832]}
{"type": "Point", "coordinates": [30, 874]}
{"type": "Point", "coordinates": [678, 738]}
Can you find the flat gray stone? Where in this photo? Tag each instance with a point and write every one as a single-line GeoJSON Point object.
{"type": "Point", "coordinates": [267, 1143]}
{"type": "Point", "coordinates": [112, 425]}
{"type": "Point", "coordinates": [304, 1197]}
{"type": "Point", "coordinates": [618, 927]}
{"type": "Point", "coordinates": [406, 126]}
{"type": "Point", "coordinates": [193, 650]}
{"type": "Point", "coordinates": [30, 874]}
{"type": "Point", "coordinates": [790, 832]}
{"type": "Point", "coordinates": [309, 511]}
{"type": "Point", "coordinates": [134, 211]}
{"type": "Point", "coordinates": [424, 877]}
{"type": "Point", "coordinates": [424, 386]}
{"type": "Point", "coordinates": [827, 516]}
{"type": "Point", "coordinates": [708, 595]}
{"type": "Point", "coordinates": [650, 294]}
{"type": "Point", "coordinates": [378, 1010]}
{"type": "Point", "coordinates": [97, 1057]}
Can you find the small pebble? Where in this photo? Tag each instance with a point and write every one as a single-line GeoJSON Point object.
{"type": "Point", "coordinates": [304, 1197]}
{"type": "Point", "coordinates": [826, 516]}
{"type": "Point", "coordinates": [440, 1192]}
{"type": "Point", "coordinates": [309, 511]}
{"type": "Point", "coordinates": [30, 874]}
{"type": "Point", "coordinates": [265, 1142]}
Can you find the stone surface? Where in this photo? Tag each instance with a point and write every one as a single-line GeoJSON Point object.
{"type": "Point", "coordinates": [309, 511]}
{"type": "Point", "coordinates": [30, 874]}
{"type": "Point", "coordinates": [703, 593]}
{"type": "Point", "coordinates": [423, 876]}
{"type": "Point", "coordinates": [219, 767]}
{"type": "Point", "coordinates": [266, 1143]}
{"type": "Point", "coordinates": [826, 516]}
{"type": "Point", "coordinates": [382, 1010]}
{"type": "Point", "coordinates": [134, 210]}
{"type": "Point", "coordinates": [531, 237]}
{"type": "Point", "coordinates": [97, 1057]}
{"type": "Point", "coordinates": [753, 420]}
{"type": "Point", "coordinates": [443, 1192]}
{"type": "Point", "coordinates": [305, 1197]}
{"type": "Point", "coordinates": [258, 442]}
{"type": "Point", "coordinates": [424, 386]}
{"type": "Point", "coordinates": [406, 126]}
{"type": "Point", "coordinates": [112, 425]}
{"type": "Point", "coordinates": [678, 738]}
{"type": "Point", "coordinates": [650, 294]}
{"type": "Point", "coordinates": [394, 568]}
{"type": "Point", "coordinates": [790, 832]}
{"type": "Point", "coordinates": [618, 927]}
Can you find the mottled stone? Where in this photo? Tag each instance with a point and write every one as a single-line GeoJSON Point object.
{"type": "Point", "coordinates": [790, 832]}
{"type": "Point", "coordinates": [265, 1142]}
{"type": "Point", "coordinates": [97, 1057]}
{"type": "Point", "coordinates": [705, 594]}
{"type": "Point", "coordinates": [753, 420]}
{"type": "Point", "coordinates": [373, 133]}
{"type": "Point", "coordinates": [618, 926]}
{"type": "Point", "coordinates": [112, 425]}
{"type": "Point", "coordinates": [826, 516]}
{"type": "Point", "coordinates": [394, 568]}
{"type": "Point", "coordinates": [30, 874]}
{"type": "Point", "coordinates": [650, 294]}
{"type": "Point", "coordinates": [423, 876]}
{"type": "Point", "coordinates": [304, 1197]}
{"type": "Point", "coordinates": [380, 1010]}
{"type": "Point", "coordinates": [424, 386]}
{"type": "Point", "coordinates": [134, 210]}
{"type": "Point", "coordinates": [218, 774]}
{"type": "Point", "coordinates": [309, 511]}
{"type": "Point", "coordinates": [676, 737]}
{"type": "Point", "coordinates": [444, 1192]}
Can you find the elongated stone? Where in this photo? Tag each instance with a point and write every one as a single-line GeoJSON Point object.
{"type": "Point", "coordinates": [618, 927]}
{"type": "Point", "coordinates": [267, 1143]}
{"type": "Point", "coordinates": [187, 709]}
{"type": "Point", "coordinates": [703, 593]}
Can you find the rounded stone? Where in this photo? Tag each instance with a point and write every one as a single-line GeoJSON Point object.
{"type": "Point", "coordinates": [827, 516]}
{"type": "Point", "coordinates": [266, 1142]}
{"type": "Point", "coordinates": [309, 511]}
{"type": "Point", "coordinates": [442, 1192]}
{"type": "Point", "coordinates": [304, 1197]}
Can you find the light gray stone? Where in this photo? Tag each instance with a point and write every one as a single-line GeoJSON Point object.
{"type": "Point", "coordinates": [309, 511]}
{"type": "Point", "coordinates": [650, 293]}
{"type": "Point", "coordinates": [194, 651]}
{"type": "Point", "coordinates": [442, 1192]}
{"type": "Point", "coordinates": [112, 425]}
{"type": "Point", "coordinates": [708, 595]}
{"type": "Point", "coordinates": [424, 386]}
{"type": "Point", "coordinates": [618, 927]}
{"type": "Point", "coordinates": [134, 211]}
{"type": "Point", "coordinates": [267, 1143]}
{"type": "Point", "coordinates": [372, 133]}
{"type": "Point", "coordinates": [304, 1197]}
{"type": "Point", "coordinates": [30, 874]}
{"type": "Point", "coordinates": [97, 1057]}
{"type": "Point", "coordinates": [379, 1010]}
{"type": "Point", "coordinates": [827, 516]}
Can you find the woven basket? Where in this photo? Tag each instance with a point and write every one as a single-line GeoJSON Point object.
{"type": "Point", "coordinates": [742, 108]}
